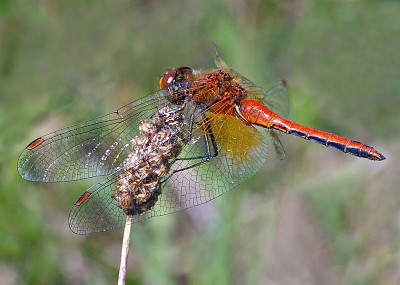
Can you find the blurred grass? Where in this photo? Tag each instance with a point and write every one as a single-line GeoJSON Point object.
{"type": "Point", "coordinates": [319, 217]}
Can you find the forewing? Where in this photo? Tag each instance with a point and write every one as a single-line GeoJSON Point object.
{"type": "Point", "coordinates": [92, 148]}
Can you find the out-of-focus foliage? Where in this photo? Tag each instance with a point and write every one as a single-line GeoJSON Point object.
{"type": "Point", "coordinates": [319, 217]}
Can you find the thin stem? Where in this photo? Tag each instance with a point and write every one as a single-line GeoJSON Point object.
{"type": "Point", "coordinates": [125, 250]}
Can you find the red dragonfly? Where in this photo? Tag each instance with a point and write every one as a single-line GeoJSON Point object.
{"type": "Point", "coordinates": [196, 138]}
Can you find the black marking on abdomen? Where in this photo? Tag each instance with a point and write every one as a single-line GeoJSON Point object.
{"type": "Point", "coordinates": [353, 150]}
{"type": "Point", "coordinates": [317, 139]}
{"type": "Point", "coordinates": [358, 152]}
{"type": "Point", "coordinates": [336, 145]}
{"type": "Point", "coordinates": [298, 133]}
{"type": "Point", "coordinates": [364, 153]}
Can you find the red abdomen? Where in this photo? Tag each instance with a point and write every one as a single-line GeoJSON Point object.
{"type": "Point", "coordinates": [258, 114]}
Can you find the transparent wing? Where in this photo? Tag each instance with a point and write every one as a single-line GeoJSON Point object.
{"type": "Point", "coordinates": [95, 210]}
{"type": "Point", "coordinates": [92, 148]}
{"type": "Point", "coordinates": [275, 96]}
{"type": "Point", "coordinates": [221, 64]}
{"type": "Point", "coordinates": [236, 151]}
{"type": "Point", "coordinates": [279, 149]}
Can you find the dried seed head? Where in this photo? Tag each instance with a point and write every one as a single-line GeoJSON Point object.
{"type": "Point", "coordinates": [138, 188]}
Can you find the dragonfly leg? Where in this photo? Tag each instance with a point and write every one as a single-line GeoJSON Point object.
{"type": "Point", "coordinates": [209, 141]}
{"type": "Point", "coordinates": [204, 158]}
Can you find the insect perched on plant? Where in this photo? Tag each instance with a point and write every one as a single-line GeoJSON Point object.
{"type": "Point", "coordinates": [196, 138]}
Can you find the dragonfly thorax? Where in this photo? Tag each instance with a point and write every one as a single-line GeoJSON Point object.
{"type": "Point", "coordinates": [221, 92]}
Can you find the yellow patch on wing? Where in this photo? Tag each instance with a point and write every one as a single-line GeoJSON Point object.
{"type": "Point", "coordinates": [234, 136]}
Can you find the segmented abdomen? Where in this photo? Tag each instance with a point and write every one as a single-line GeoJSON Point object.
{"type": "Point", "coordinates": [256, 113]}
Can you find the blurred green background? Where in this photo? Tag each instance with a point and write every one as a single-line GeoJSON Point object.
{"type": "Point", "coordinates": [318, 217]}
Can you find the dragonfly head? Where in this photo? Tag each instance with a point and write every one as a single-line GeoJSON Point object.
{"type": "Point", "coordinates": [174, 76]}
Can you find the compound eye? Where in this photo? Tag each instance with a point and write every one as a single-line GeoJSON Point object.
{"type": "Point", "coordinates": [167, 79]}
{"type": "Point", "coordinates": [167, 71]}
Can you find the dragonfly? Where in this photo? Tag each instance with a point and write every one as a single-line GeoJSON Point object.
{"type": "Point", "coordinates": [200, 135]}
